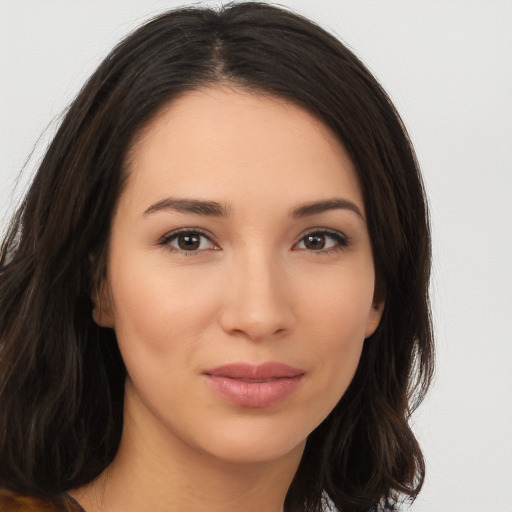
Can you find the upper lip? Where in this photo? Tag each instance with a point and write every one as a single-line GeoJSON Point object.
{"type": "Point", "coordinates": [265, 371]}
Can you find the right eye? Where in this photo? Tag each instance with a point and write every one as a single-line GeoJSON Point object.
{"type": "Point", "coordinates": [187, 241]}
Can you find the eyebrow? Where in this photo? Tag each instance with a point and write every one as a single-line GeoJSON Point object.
{"type": "Point", "coordinates": [326, 205]}
{"type": "Point", "coordinates": [214, 209]}
{"type": "Point", "coordinates": [207, 208]}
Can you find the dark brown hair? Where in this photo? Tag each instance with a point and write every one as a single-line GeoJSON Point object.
{"type": "Point", "coordinates": [61, 376]}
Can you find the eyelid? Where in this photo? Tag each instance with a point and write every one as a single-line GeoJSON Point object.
{"type": "Point", "coordinates": [165, 240]}
{"type": "Point", "coordinates": [339, 237]}
{"type": "Point", "coordinates": [342, 240]}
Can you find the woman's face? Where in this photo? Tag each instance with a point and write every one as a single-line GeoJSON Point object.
{"type": "Point", "coordinates": [240, 275]}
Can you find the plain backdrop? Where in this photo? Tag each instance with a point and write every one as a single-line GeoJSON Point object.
{"type": "Point", "coordinates": [448, 67]}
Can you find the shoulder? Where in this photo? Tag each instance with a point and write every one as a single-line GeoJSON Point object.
{"type": "Point", "coordinates": [11, 501]}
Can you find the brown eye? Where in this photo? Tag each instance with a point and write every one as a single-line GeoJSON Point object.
{"type": "Point", "coordinates": [314, 242]}
{"type": "Point", "coordinates": [322, 241]}
{"type": "Point", "coordinates": [188, 242]}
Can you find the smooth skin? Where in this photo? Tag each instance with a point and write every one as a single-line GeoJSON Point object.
{"type": "Point", "coordinates": [254, 274]}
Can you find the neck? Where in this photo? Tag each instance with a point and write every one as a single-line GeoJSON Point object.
{"type": "Point", "coordinates": [166, 475]}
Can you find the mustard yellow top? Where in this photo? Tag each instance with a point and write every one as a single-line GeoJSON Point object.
{"type": "Point", "coordinates": [11, 501]}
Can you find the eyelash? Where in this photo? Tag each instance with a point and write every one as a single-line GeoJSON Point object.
{"type": "Point", "coordinates": [166, 240]}
{"type": "Point", "coordinates": [341, 240]}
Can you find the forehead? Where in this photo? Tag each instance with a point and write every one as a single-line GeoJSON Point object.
{"type": "Point", "coordinates": [221, 141]}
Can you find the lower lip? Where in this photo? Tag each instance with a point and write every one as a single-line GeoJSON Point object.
{"type": "Point", "coordinates": [254, 394]}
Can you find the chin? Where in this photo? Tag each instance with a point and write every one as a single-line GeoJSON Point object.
{"type": "Point", "coordinates": [254, 443]}
{"type": "Point", "coordinates": [257, 452]}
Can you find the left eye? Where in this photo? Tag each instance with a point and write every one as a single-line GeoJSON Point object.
{"type": "Point", "coordinates": [322, 241]}
{"type": "Point", "coordinates": [188, 241]}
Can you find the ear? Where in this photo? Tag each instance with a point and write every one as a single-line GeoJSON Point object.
{"type": "Point", "coordinates": [374, 316]}
{"type": "Point", "coordinates": [102, 313]}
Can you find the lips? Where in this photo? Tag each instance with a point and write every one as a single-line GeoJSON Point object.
{"type": "Point", "coordinates": [254, 386]}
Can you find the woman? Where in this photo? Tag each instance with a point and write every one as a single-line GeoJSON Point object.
{"type": "Point", "coordinates": [214, 296]}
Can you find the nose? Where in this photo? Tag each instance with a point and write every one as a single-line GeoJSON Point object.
{"type": "Point", "coordinates": [257, 303]}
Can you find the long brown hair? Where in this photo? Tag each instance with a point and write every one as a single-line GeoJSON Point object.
{"type": "Point", "coordinates": [61, 376]}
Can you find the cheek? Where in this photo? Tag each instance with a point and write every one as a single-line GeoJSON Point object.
{"type": "Point", "coordinates": [155, 305]}
{"type": "Point", "coordinates": [336, 320]}
{"type": "Point", "coordinates": [160, 318]}
{"type": "Point", "coordinates": [337, 305]}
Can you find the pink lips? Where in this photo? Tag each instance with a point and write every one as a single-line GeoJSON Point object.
{"type": "Point", "coordinates": [254, 386]}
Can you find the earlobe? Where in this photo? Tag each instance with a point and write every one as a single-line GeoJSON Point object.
{"type": "Point", "coordinates": [102, 312]}
{"type": "Point", "coordinates": [374, 317]}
